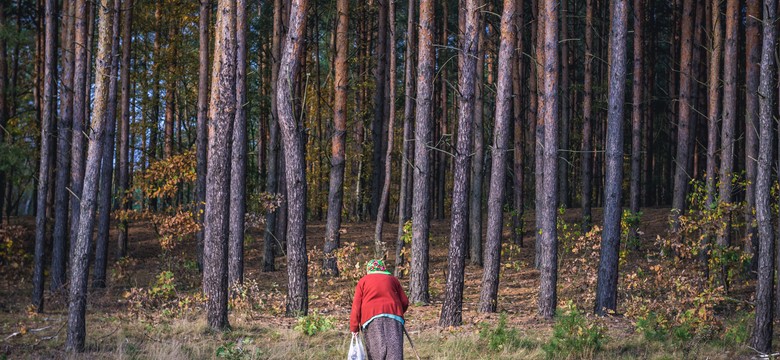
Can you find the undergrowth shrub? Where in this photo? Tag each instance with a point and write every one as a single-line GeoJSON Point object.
{"type": "Point", "coordinates": [574, 335]}
{"type": "Point", "coordinates": [314, 323]}
{"type": "Point", "coordinates": [237, 350]}
{"type": "Point", "coordinates": [502, 337]}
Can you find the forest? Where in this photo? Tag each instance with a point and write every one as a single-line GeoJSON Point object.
{"type": "Point", "coordinates": [556, 179]}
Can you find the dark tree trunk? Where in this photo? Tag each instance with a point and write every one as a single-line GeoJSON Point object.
{"type": "Point", "coordinates": [47, 113]}
{"type": "Point", "coordinates": [477, 169]}
{"type": "Point", "coordinates": [295, 168]}
{"type": "Point", "coordinates": [79, 258]}
{"type": "Point", "coordinates": [713, 112]}
{"type": "Point", "coordinates": [124, 130]}
{"type": "Point", "coordinates": [606, 292]}
{"type": "Point", "coordinates": [271, 236]}
{"type": "Point", "coordinates": [379, 107]}
{"type": "Point", "coordinates": [170, 92]}
{"type": "Point", "coordinates": [439, 177]}
{"type": "Point", "coordinates": [563, 165]}
{"type": "Point", "coordinates": [422, 154]}
{"type": "Point", "coordinates": [752, 60]}
{"type": "Point", "coordinates": [64, 123]}
{"type": "Point", "coordinates": [637, 108]}
{"type": "Point", "coordinates": [338, 157]}
{"type": "Point", "coordinates": [202, 125]}
{"type": "Point", "coordinates": [107, 162]}
{"type": "Point", "coordinates": [729, 111]}
{"type": "Point", "coordinates": [222, 109]}
{"type": "Point", "coordinates": [405, 197]}
{"type": "Point", "coordinates": [489, 293]}
{"type": "Point", "coordinates": [238, 157]}
{"type": "Point", "coordinates": [587, 122]}
{"type": "Point", "coordinates": [540, 139]}
{"type": "Point", "coordinates": [379, 245]}
{"type": "Point", "coordinates": [517, 113]}
{"type": "Point", "coordinates": [762, 335]}
{"type": "Point", "coordinates": [548, 263]}
{"type": "Point", "coordinates": [5, 93]}
{"type": "Point", "coordinates": [451, 311]}
{"type": "Point", "coordinates": [681, 173]}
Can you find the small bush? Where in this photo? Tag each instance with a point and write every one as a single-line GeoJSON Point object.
{"type": "Point", "coordinates": [235, 350]}
{"type": "Point", "coordinates": [652, 327]}
{"type": "Point", "coordinates": [314, 323]}
{"type": "Point", "coordinates": [502, 337]}
{"type": "Point", "coordinates": [573, 334]}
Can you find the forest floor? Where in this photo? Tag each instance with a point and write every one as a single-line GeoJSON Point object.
{"type": "Point", "coordinates": [151, 307]}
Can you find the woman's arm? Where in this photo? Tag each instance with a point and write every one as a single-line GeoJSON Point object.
{"type": "Point", "coordinates": [402, 295]}
{"type": "Point", "coordinates": [357, 302]}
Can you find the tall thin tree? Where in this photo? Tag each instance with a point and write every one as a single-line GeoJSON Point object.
{"type": "Point", "coordinates": [380, 88]}
{"type": "Point", "coordinates": [222, 110]}
{"type": "Point", "coordinates": [422, 167]}
{"type": "Point", "coordinates": [295, 167]}
{"type": "Point", "coordinates": [587, 120]}
{"type": "Point", "coordinates": [270, 236]}
{"type": "Point", "coordinates": [488, 296]}
{"type": "Point", "coordinates": [713, 108]}
{"type": "Point", "coordinates": [681, 171]}
{"type": "Point", "coordinates": [477, 168]}
{"type": "Point", "coordinates": [729, 112]}
{"type": "Point", "coordinates": [451, 311]}
{"type": "Point", "coordinates": [752, 60]}
{"type": "Point", "coordinates": [637, 107]}
{"type": "Point", "coordinates": [124, 128]}
{"type": "Point", "coordinates": [202, 122]}
{"type": "Point", "coordinates": [606, 292]}
{"type": "Point", "coordinates": [79, 259]}
{"type": "Point", "coordinates": [238, 158]}
{"type": "Point", "coordinates": [762, 335]}
{"type": "Point", "coordinates": [79, 115]}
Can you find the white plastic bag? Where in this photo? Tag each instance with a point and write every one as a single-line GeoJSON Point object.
{"type": "Point", "coordinates": [356, 350]}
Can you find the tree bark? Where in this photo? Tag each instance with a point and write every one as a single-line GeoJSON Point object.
{"type": "Point", "coordinates": [752, 60]}
{"type": "Point", "coordinates": [540, 139]}
{"type": "Point", "coordinates": [107, 162]}
{"type": "Point", "coordinates": [451, 311]}
{"type": "Point", "coordinates": [563, 165]}
{"type": "Point", "coordinates": [338, 157]}
{"type": "Point", "coordinates": [379, 107]}
{"type": "Point", "coordinates": [762, 335]}
{"type": "Point", "coordinates": [64, 124]}
{"type": "Point", "coordinates": [124, 129]}
{"type": "Point", "coordinates": [202, 122]}
{"type": "Point", "coordinates": [238, 157]}
{"type": "Point", "coordinates": [222, 110]}
{"type": "Point", "coordinates": [379, 245]}
{"type": "Point", "coordinates": [79, 259]}
{"type": "Point", "coordinates": [477, 163]}
{"type": "Point", "coordinates": [637, 109]}
{"type": "Point", "coordinates": [729, 112]}
{"type": "Point", "coordinates": [519, 135]}
{"type": "Point", "coordinates": [295, 169]}
{"type": "Point", "coordinates": [439, 174]}
{"type": "Point", "coordinates": [405, 197]}
{"type": "Point", "coordinates": [713, 112]}
{"type": "Point", "coordinates": [606, 292]}
{"type": "Point", "coordinates": [548, 95]}
{"type": "Point", "coordinates": [681, 173]}
{"type": "Point", "coordinates": [489, 293]}
{"type": "Point", "coordinates": [47, 113]}
{"type": "Point", "coordinates": [422, 166]}
{"type": "Point", "coordinates": [587, 122]}
{"type": "Point", "coordinates": [270, 236]}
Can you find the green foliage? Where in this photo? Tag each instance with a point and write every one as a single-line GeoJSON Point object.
{"type": "Point", "coordinates": [573, 335]}
{"type": "Point", "coordinates": [314, 323]}
{"type": "Point", "coordinates": [738, 330]}
{"type": "Point", "coordinates": [652, 326]}
{"type": "Point", "coordinates": [502, 337]}
{"type": "Point", "coordinates": [164, 289]}
{"type": "Point", "coordinates": [234, 351]}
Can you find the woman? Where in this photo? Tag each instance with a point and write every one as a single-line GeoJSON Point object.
{"type": "Point", "coordinates": [378, 308]}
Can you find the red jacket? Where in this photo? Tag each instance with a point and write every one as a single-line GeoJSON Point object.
{"type": "Point", "coordinates": [377, 294]}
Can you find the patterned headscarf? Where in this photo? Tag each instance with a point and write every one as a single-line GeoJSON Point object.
{"type": "Point", "coordinates": [376, 266]}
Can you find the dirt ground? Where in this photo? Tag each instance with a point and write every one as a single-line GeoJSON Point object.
{"type": "Point", "coordinates": [120, 325]}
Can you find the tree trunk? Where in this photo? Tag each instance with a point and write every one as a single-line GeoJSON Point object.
{"type": "Point", "coordinates": [606, 292]}
{"type": "Point", "coordinates": [338, 157]}
{"type": "Point", "coordinates": [713, 113]}
{"type": "Point", "coordinates": [548, 264]}
{"type": "Point", "coordinates": [729, 112]}
{"type": "Point", "coordinates": [517, 113]}
{"type": "Point", "coordinates": [405, 197]}
{"type": "Point", "coordinates": [107, 162]}
{"type": "Point", "coordinates": [64, 123]}
{"type": "Point", "coordinates": [489, 293]}
{"type": "Point", "coordinates": [637, 109]}
{"type": "Point", "coordinates": [379, 245]}
{"type": "Point", "coordinates": [439, 176]}
{"type": "Point", "coordinates": [5, 93]}
{"type": "Point", "coordinates": [170, 91]}
{"type": "Point", "coordinates": [238, 157]}
{"type": "Point", "coordinates": [47, 113]}
{"type": "Point", "coordinates": [451, 311]}
{"type": "Point", "coordinates": [762, 335]}
{"type": "Point", "coordinates": [202, 124]}
{"type": "Point", "coordinates": [79, 116]}
{"type": "Point", "coordinates": [295, 169]}
{"type": "Point", "coordinates": [753, 57]}
{"type": "Point", "coordinates": [79, 259]}
{"type": "Point", "coordinates": [477, 163]}
{"type": "Point", "coordinates": [124, 131]}
{"type": "Point", "coordinates": [270, 236]}
{"type": "Point", "coordinates": [379, 107]}
{"type": "Point", "coordinates": [681, 173]}
{"type": "Point", "coordinates": [540, 139]}
{"type": "Point", "coordinates": [422, 154]}
{"type": "Point", "coordinates": [587, 122]}
{"type": "Point", "coordinates": [222, 109]}
{"type": "Point", "coordinates": [563, 165]}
